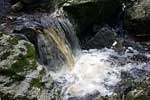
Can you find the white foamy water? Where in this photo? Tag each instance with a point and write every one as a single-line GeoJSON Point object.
{"type": "Point", "coordinates": [98, 71]}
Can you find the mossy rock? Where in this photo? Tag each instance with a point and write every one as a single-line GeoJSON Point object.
{"type": "Point", "coordinates": [17, 59]}
{"type": "Point", "coordinates": [15, 69]}
{"type": "Point", "coordinates": [37, 83]}
{"type": "Point", "coordinates": [16, 55]}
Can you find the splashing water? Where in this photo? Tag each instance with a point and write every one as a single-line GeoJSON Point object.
{"type": "Point", "coordinates": [98, 71]}
{"type": "Point", "coordinates": [95, 72]}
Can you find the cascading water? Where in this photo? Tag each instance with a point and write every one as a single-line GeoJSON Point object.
{"type": "Point", "coordinates": [54, 38]}
{"type": "Point", "coordinates": [61, 45]}
{"type": "Point", "coordinates": [93, 73]}
{"type": "Point", "coordinates": [97, 72]}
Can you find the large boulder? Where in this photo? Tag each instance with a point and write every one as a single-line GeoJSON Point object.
{"type": "Point", "coordinates": [105, 37]}
{"type": "Point", "coordinates": [16, 55]}
{"type": "Point", "coordinates": [20, 76]}
{"type": "Point", "coordinates": [137, 18]}
{"type": "Point", "coordinates": [87, 13]}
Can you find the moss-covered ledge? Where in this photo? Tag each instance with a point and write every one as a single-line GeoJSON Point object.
{"type": "Point", "coordinates": [17, 60]}
{"type": "Point", "coordinates": [21, 78]}
{"type": "Point", "coordinates": [16, 54]}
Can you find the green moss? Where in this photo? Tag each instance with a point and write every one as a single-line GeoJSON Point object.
{"type": "Point", "coordinates": [30, 51]}
{"type": "Point", "coordinates": [24, 98]}
{"type": "Point", "coordinates": [10, 97]}
{"type": "Point", "coordinates": [1, 33]}
{"type": "Point", "coordinates": [20, 65]}
{"type": "Point", "coordinates": [13, 76]}
{"type": "Point", "coordinates": [37, 83]}
{"type": "Point", "coordinates": [13, 40]}
{"type": "Point", "coordinates": [25, 62]}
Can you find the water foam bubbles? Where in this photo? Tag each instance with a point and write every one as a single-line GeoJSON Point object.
{"type": "Point", "coordinates": [99, 71]}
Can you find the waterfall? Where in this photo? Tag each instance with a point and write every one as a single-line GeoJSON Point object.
{"type": "Point", "coordinates": [95, 72]}
{"type": "Point", "coordinates": [54, 38]}
{"type": "Point", "coordinates": [58, 44]}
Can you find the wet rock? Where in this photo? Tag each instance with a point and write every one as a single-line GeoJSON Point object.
{"type": "Point", "coordinates": [54, 39]}
{"type": "Point", "coordinates": [140, 58]}
{"type": "Point", "coordinates": [137, 19]}
{"type": "Point", "coordinates": [138, 91]}
{"type": "Point", "coordinates": [104, 38]}
{"type": "Point", "coordinates": [118, 46]}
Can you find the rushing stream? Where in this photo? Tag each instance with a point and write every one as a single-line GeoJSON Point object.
{"type": "Point", "coordinates": [74, 49]}
{"type": "Point", "coordinates": [87, 74]}
{"type": "Point", "coordinates": [97, 72]}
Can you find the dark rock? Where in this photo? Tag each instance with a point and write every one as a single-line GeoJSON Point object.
{"type": "Point", "coordinates": [29, 1]}
{"type": "Point", "coordinates": [87, 14]}
{"type": "Point", "coordinates": [30, 6]}
{"type": "Point", "coordinates": [104, 38]}
{"type": "Point", "coordinates": [17, 7]}
{"type": "Point", "coordinates": [137, 19]}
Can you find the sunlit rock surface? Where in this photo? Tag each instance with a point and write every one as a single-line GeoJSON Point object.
{"type": "Point", "coordinates": [20, 76]}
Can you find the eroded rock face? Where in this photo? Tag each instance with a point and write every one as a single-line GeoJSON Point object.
{"type": "Point", "coordinates": [137, 19]}
{"type": "Point", "coordinates": [20, 76]}
{"type": "Point", "coordinates": [87, 14]}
